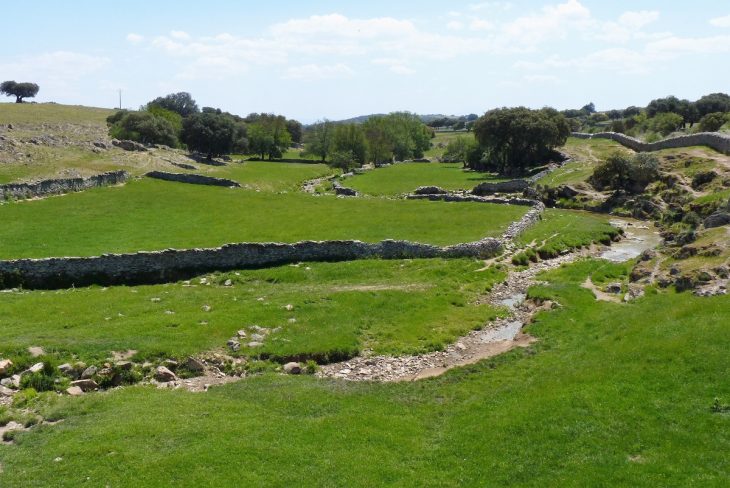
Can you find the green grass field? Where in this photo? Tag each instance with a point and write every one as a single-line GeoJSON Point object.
{"type": "Point", "coordinates": [442, 139]}
{"type": "Point", "coordinates": [611, 395]}
{"type": "Point", "coordinates": [392, 307]}
{"type": "Point", "coordinates": [271, 176]}
{"type": "Point", "coordinates": [405, 177]}
{"type": "Point", "coordinates": [150, 214]}
{"type": "Point", "coordinates": [52, 113]}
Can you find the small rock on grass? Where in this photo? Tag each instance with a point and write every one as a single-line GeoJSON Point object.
{"type": "Point", "coordinates": [36, 368]}
{"type": "Point", "coordinates": [193, 364]}
{"type": "Point", "coordinates": [89, 372]}
{"type": "Point", "coordinates": [5, 365]}
{"type": "Point", "coordinates": [85, 385]}
{"type": "Point", "coordinates": [74, 391]}
{"type": "Point", "coordinates": [164, 375]}
{"type": "Point", "coordinates": [5, 391]}
{"type": "Point", "coordinates": [292, 368]}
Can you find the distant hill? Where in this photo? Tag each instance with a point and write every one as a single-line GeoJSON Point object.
{"type": "Point", "coordinates": [426, 118]}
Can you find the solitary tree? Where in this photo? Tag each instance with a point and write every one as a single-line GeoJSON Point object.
{"type": "Point", "coordinates": [19, 90]}
{"type": "Point", "coordinates": [517, 138]}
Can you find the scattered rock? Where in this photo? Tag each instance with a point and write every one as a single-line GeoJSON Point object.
{"type": "Point", "coordinates": [164, 375]}
{"type": "Point", "coordinates": [85, 384]}
{"type": "Point", "coordinates": [255, 344]}
{"type": "Point", "coordinates": [5, 391]}
{"type": "Point", "coordinates": [233, 344]}
{"type": "Point", "coordinates": [36, 368]}
{"type": "Point", "coordinates": [206, 308]}
{"type": "Point", "coordinates": [429, 190]}
{"type": "Point", "coordinates": [5, 365]}
{"type": "Point", "coordinates": [613, 288]}
{"type": "Point", "coordinates": [228, 283]}
{"type": "Point", "coordinates": [718, 219]}
{"type": "Point", "coordinates": [89, 372]}
{"type": "Point", "coordinates": [66, 369]}
{"type": "Point", "coordinates": [74, 391]}
{"type": "Point", "coordinates": [292, 368]}
{"type": "Point", "coordinates": [170, 364]}
{"type": "Point", "coordinates": [129, 145]}
{"type": "Point", "coordinates": [193, 364]}
{"type": "Point", "coordinates": [124, 365]}
{"type": "Point", "coordinates": [241, 333]}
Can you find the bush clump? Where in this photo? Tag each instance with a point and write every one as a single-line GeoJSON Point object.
{"type": "Point", "coordinates": [625, 172]}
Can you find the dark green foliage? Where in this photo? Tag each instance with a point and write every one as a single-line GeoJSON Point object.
{"type": "Point", "coordinates": [268, 136]}
{"type": "Point", "coordinates": [319, 139]}
{"type": "Point", "coordinates": [348, 145]}
{"type": "Point", "coordinates": [622, 171]}
{"type": "Point", "coordinates": [295, 130]}
{"type": "Point", "coordinates": [665, 123]}
{"type": "Point", "coordinates": [209, 133]}
{"type": "Point", "coordinates": [519, 138]}
{"type": "Point", "coordinates": [181, 103]}
{"type": "Point", "coordinates": [144, 127]}
{"type": "Point", "coordinates": [19, 90]}
{"type": "Point", "coordinates": [713, 121]}
{"type": "Point", "coordinates": [714, 102]}
{"type": "Point", "coordinates": [462, 149]}
{"type": "Point", "coordinates": [399, 135]}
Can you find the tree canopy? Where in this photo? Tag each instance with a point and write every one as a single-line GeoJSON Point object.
{"type": "Point", "coordinates": [19, 90]}
{"type": "Point", "coordinates": [181, 103]}
{"type": "Point", "coordinates": [144, 127]}
{"type": "Point", "coordinates": [518, 138]}
{"type": "Point", "coordinates": [269, 136]}
{"type": "Point", "coordinates": [210, 133]}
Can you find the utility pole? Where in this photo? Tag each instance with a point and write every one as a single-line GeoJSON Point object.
{"type": "Point", "coordinates": [120, 99]}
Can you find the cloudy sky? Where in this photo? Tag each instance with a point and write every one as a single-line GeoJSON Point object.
{"type": "Point", "coordinates": [336, 59]}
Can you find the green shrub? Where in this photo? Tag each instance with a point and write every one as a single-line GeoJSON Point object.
{"type": "Point", "coordinates": [144, 127]}
{"type": "Point", "coordinates": [713, 122]}
{"type": "Point", "coordinates": [622, 171]}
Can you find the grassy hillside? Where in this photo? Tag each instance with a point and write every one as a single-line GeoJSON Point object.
{"type": "Point", "coordinates": [151, 214]}
{"type": "Point", "coordinates": [615, 394]}
{"type": "Point", "coordinates": [32, 114]}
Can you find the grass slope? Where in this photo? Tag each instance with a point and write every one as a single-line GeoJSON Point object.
{"type": "Point", "coordinates": [405, 177]}
{"type": "Point", "coordinates": [611, 395]}
{"type": "Point", "coordinates": [390, 307]}
{"type": "Point", "coordinates": [271, 176]}
{"type": "Point", "coordinates": [151, 214]}
{"type": "Point", "coordinates": [52, 113]}
{"type": "Point", "coordinates": [585, 155]}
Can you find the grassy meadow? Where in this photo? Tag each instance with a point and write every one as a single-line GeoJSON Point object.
{"type": "Point", "coordinates": [403, 178]}
{"type": "Point", "coordinates": [151, 215]}
{"type": "Point", "coordinates": [611, 394]}
{"type": "Point", "coordinates": [337, 310]}
{"type": "Point", "coordinates": [271, 176]}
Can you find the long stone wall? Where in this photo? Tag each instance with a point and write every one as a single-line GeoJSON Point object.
{"type": "Point", "coordinates": [20, 191]}
{"type": "Point", "coordinates": [716, 141]}
{"type": "Point", "coordinates": [171, 265]}
{"type": "Point", "coordinates": [193, 179]}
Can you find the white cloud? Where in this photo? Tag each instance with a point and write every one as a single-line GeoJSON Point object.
{"type": "Point", "coordinates": [395, 65]}
{"type": "Point", "coordinates": [134, 38]}
{"type": "Point", "coordinates": [637, 20]}
{"type": "Point", "coordinates": [721, 21]}
{"type": "Point", "coordinates": [671, 47]}
{"type": "Point", "coordinates": [344, 27]}
{"type": "Point", "coordinates": [475, 7]}
{"type": "Point", "coordinates": [58, 66]}
{"type": "Point", "coordinates": [480, 25]}
{"type": "Point", "coordinates": [181, 35]}
{"type": "Point", "coordinates": [314, 72]}
{"type": "Point", "coordinates": [541, 79]}
{"type": "Point", "coordinates": [455, 25]}
{"type": "Point", "coordinates": [551, 23]}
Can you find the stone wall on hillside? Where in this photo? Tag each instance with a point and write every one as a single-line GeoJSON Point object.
{"type": "Point", "coordinates": [718, 142]}
{"type": "Point", "coordinates": [512, 186]}
{"type": "Point", "coordinates": [193, 179]}
{"type": "Point", "coordinates": [171, 265]}
{"type": "Point", "coordinates": [20, 191]}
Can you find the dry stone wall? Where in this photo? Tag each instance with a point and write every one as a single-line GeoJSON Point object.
{"type": "Point", "coordinates": [19, 191]}
{"type": "Point", "coordinates": [171, 265]}
{"type": "Point", "coordinates": [193, 179]}
{"type": "Point", "coordinates": [716, 141]}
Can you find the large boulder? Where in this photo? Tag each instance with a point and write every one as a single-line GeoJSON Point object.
{"type": "Point", "coordinates": [512, 186]}
{"type": "Point", "coordinates": [429, 190]}
{"type": "Point", "coordinates": [718, 219]}
{"type": "Point", "coordinates": [292, 368]}
{"type": "Point", "coordinates": [85, 385]}
{"type": "Point", "coordinates": [164, 375]}
{"type": "Point", "coordinates": [129, 145]}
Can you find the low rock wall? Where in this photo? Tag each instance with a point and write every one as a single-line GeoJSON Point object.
{"type": "Point", "coordinates": [716, 141]}
{"type": "Point", "coordinates": [193, 179]}
{"type": "Point", "coordinates": [20, 191]}
{"type": "Point", "coordinates": [171, 265]}
{"type": "Point", "coordinates": [512, 186]}
{"type": "Point", "coordinates": [455, 197]}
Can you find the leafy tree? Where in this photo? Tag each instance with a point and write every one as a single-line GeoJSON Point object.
{"type": "Point", "coordinates": [380, 142]}
{"type": "Point", "coordinates": [319, 139]}
{"type": "Point", "coordinates": [181, 103]}
{"type": "Point", "coordinates": [349, 145]}
{"type": "Point", "coordinates": [295, 130]}
{"type": "Point", "coordinates": [19, 90]}
{"type": "Point", "coordinates": [712, 122]}
{"type": "Point", "coordinates": [589, 108]}
{"type": "Point", "coordinates": [268, 136]}
{"type": "Point", "coordinates": [399, 135]}
{"type": "Point", "coordinates": [714, 102]}
{"type": "Point", "coordinates": [144, 127]}
{"type": "Point", "coordinates": [665, 123]}
{"type": "Point", "coordinates": [621, 171]}
{"type": "Point", "coordinates": [174, 118]}
{"type": "Point", "coordinates": [461, 149]}
{"type": "Point", "coordinates": [663, 105]}
{"type": "Point", "coordinates": [631, 111]}
{"type": "Point", "coordinates": [210, 133]}
{"type": "Point", "coordinates": [517, 138]}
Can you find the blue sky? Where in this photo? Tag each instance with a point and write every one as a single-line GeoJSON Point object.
{"type": "Point", "coordinates": [314, 59]}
